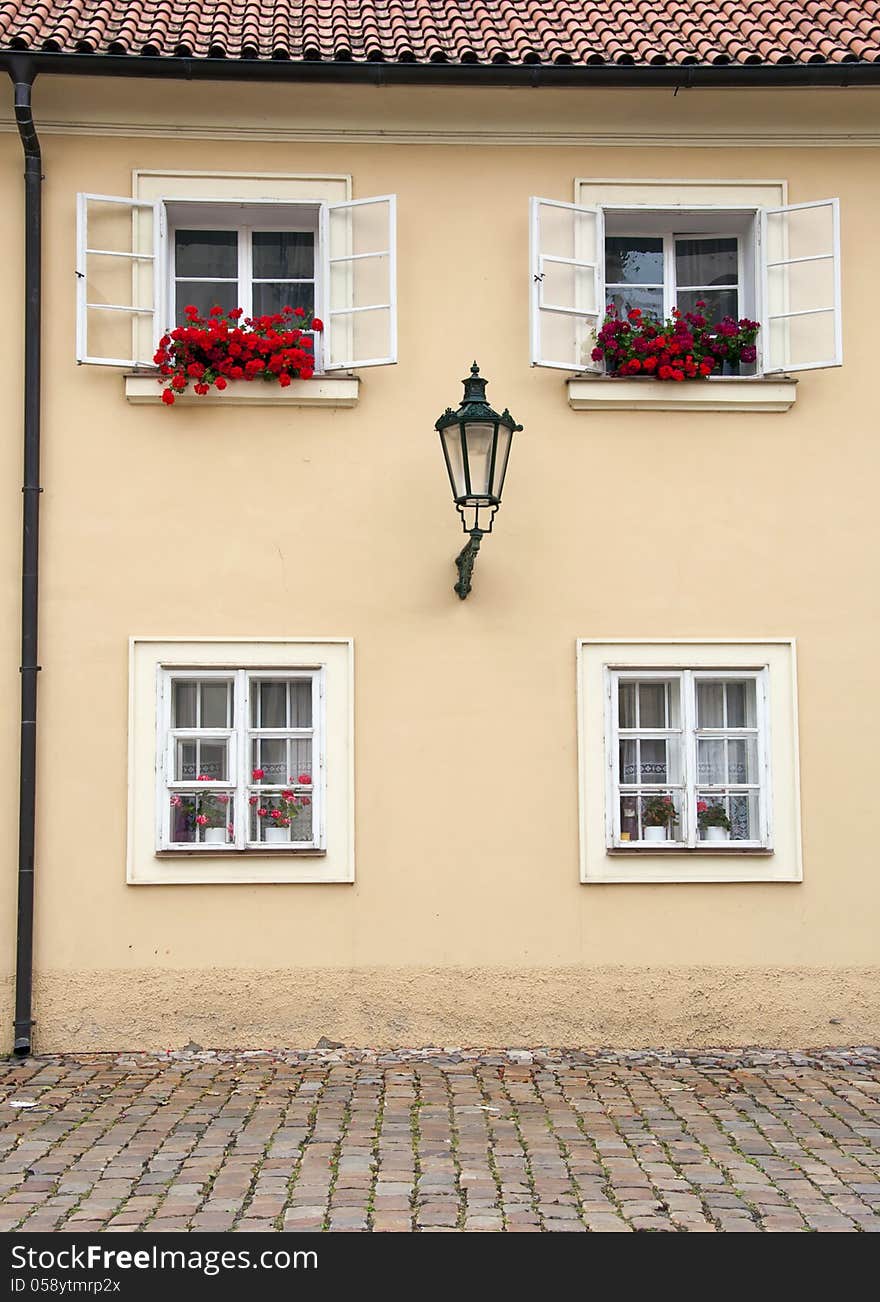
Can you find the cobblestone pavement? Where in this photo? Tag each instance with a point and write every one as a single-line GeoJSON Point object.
{"type": "Point", "coordinates": [442, 1141]}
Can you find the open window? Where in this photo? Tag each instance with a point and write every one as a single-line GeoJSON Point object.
{"type": "Point", "coordinates": [566, 283]}
{"type": "Point", "coordinates": [141, 262]}
{"type": "Point", "coordinates": [779, 266]}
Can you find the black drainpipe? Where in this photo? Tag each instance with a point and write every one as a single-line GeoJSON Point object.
{"type": "Point", "coordinates": [23, 77]}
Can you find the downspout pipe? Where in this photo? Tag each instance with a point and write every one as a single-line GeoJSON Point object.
{"type": "Point", "coordinates": [23, 77]}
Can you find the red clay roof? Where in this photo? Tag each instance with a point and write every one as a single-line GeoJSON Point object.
{"type": "Point", "coordinates": [633, 32]}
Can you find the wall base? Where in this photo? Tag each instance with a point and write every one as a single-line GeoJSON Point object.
{"type": "Point", "coordinates": [475, 1007]}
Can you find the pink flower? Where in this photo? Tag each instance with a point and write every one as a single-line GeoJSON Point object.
{"type": "Point", "coordinates": [252, 800]}
{"type": "Point", "coordinates": [222, 798]}
{"type": "Point", "coordinates": [175, 802]}
{"type": "Point", "coordinates": [702, 806]}
{"type": "Point", "coordinates": [304, 779]}
{"type": "Point", "coordinates": [305, 800]}
{"type": "Point", "coordinates": [262, 812]}
{"type": "Point", "coordinates": [205, 777]}
{"type": "Point", "coordinates": [258, 774]}
{"type": "Point", "coordinates": [202, 820]}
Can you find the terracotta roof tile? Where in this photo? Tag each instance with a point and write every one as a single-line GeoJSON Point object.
{"type": "Point", "coordinates": [643, 32]}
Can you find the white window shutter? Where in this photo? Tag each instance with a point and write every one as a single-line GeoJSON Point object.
{"type": "Point", "coordinates": [567, 283]}
{"type": "Point", "coordinates": [800, 261]}
{"type": "Point", "coordinates": [118, 280]}
{"type": "Point", "coordinates": [359, 244]}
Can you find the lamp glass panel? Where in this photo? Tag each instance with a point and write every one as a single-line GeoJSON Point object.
{"type": "Point", "coordinates": [451, 436]}
{"type": "Point", "coordinates": [502, 455]}
{"type": "Point", "coordinates": [479, 438]}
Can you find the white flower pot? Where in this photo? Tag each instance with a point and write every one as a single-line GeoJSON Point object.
{"type": "Point", "coordinates": [276, 836]}
{"type": "Point", "coordinates": [716, 834]}
{"type": "Point", "coordinates": [214, 835]}
{"type": "Point", "coordinates": [654, 833]}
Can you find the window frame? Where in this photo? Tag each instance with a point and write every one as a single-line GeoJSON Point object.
{"type": "Point", "coordinates": [240, 736]}
{"type": "Point", "coordinates": [688, 839]}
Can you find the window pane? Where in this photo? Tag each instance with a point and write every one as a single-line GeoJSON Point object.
{"type": "Point", "coordinates": [710, 705]}
{"type": "Point", "coordinates": [278, 820]}
{"type": "Point", "coordinates": [742, 704]}
{"type": "Point", "coordinates": [271, 757]}
{"type": "Point", "coordinates": [659, 760]}
{"type": "Point", "coordinates": [270, 705]}
{"type": "Point", "coordinates": [629, 818]}
{"type": "Point", "coordinates": [215, 705]}
{"type": "Point", "coordinates": [201, 758]}
{"type": "Point", "coordinates": [202, 818]}
{"type": "Point", "coordinates": [633, 260]}
{"type": "Point", "coordinates": [652, 705]}
{"type": "Point", "coordinates": [300, 703]}
{"type": "Point", "coordinates": [300, 761]}
{"type": "Point", "coordinates": [206, 254]}
{"type": "Point", "coordinates": [649, 301]}
{"type": "Point", "coordinates": [284, 255]}
{"type": "Point", "coordinates": [626, 704]}
{"type": "Point", "coordinates": [213, 757]}
{"type": "Point", "coordinates": [205, 294]}
{"type": "Point", "coordinates": [742, 760]}
{"type": "Point", "coordinates": [186, 761]}
{"type": "Point", "coordinates": [661, 816]}
{"type": "Point", "coordinates": [711, 764]}
{"type": "Point", "coordinates": [706, 262]}
{"type": "Point", "coordinates": [183, 705]}
{"type": "Point", "coordinates": [718, 303]}
{"type": "Point", "coordinates": [743, 810]}
{"type": "Point", "coordinates": [628, 770]}
{"type": "Point", "coordinates": [271, 298]}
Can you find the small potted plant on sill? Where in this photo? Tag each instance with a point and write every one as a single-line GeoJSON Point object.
{"type": "Point", "coordinates": [208, 813]}
{"type": "Point", "coordinates": [686, 346]}
{"type": "Point", "coordinates": [713, 821]}
{"type": "Point", "coordinates": [658, 815]}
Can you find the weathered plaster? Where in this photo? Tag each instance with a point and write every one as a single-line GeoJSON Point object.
{"type": "Point", "coordinates": [393, 1007]}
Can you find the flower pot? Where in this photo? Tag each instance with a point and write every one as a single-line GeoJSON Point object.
{"type": "Point", "coordinates": [214, 835]}
{"type": "Point", "coordinates": [276, 836]}
{"type": "Point", "coordinates": [654, 833]}
{"type": "Point", "coordinates": [716, 834]}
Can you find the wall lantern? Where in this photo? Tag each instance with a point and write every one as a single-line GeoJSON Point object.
{"type": "Point", "coordinates": [476, 444]}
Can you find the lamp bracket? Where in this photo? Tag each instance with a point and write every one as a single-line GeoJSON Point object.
{"type": "Point", "coordinates": [465, 562]}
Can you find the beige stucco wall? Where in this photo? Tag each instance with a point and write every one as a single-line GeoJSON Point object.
{"type": "Point", "coordinates": [467, 921]}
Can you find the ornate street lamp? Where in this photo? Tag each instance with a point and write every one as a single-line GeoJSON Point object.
{"type": "Point", "coordinates": [476, 444]}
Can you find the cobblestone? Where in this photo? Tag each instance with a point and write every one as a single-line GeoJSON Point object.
{"type": "Point", "coordinates": [443, 1140]}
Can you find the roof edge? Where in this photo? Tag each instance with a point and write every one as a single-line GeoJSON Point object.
{"type": "Point", "coordinates": [23, 65]}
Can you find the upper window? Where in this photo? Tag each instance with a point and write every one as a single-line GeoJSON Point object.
{"type": "Point", "coordinates": [688, 757]}
{"type": "Point", "coordinates": [140, 262]}
{"type": "Point", "coordinates": [240, 760]}
{"type": "Point", "coordinates": [779, 266]}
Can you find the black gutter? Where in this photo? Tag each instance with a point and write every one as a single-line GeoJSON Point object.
{"type": "Point", "coordinates": [451, 74]}
{"type": "Point", "coordinates": [23, 76]}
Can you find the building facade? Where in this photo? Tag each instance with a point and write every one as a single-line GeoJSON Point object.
{"type": "Point", "coordinates": [678, 601]}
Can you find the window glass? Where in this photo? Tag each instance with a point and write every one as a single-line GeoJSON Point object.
{"type": "Point", "coordinates": [284, 255]}
{"type": "Point", "coordinates": [633, 260]}
{"type": "Point", "coordinates": [706, 262]}
{"type": "Point", "coordinates": [206, 255]}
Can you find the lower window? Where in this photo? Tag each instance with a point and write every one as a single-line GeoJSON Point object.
{"type": "Point", "coordinates": [689, 759]}
{"type": "Point", "coordinates": [242, 759]}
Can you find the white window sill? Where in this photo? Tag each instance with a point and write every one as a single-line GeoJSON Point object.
{"type": "Point", "coordinates": [733, 393]}
{"type": "Point", "coordinates": [143, 389]}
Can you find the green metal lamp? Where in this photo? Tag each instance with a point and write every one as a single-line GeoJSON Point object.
{"type": "Point", "coordinates": [476, 446]}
